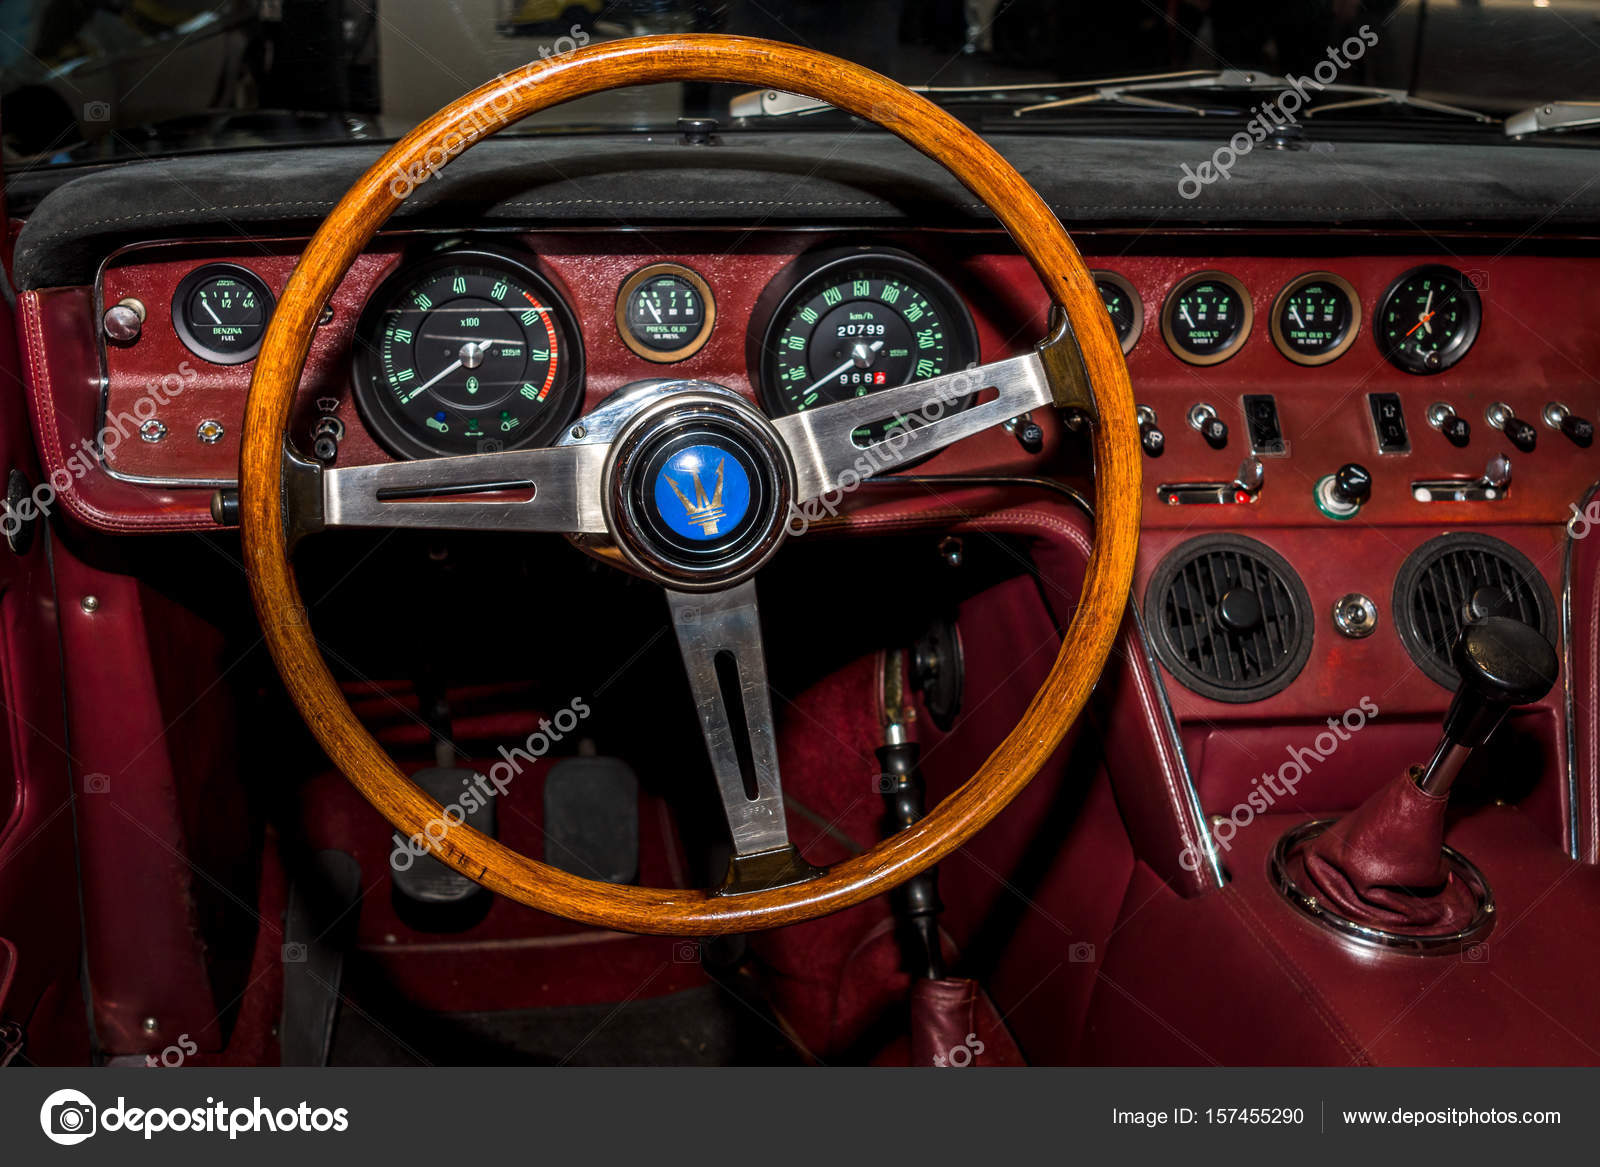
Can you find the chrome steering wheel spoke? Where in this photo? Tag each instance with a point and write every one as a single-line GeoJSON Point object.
{"type": "Point", "coordinates": [827, 456]}
{"type": "Point", "coordinates": [555, 489]}
{"type": "Point", "coordinates": [719, 636]}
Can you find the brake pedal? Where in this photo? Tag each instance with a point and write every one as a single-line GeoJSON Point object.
{"type": "Point", "coordinates": [428, 895]}
{"type": "Point", "coordinates": [591, 819]}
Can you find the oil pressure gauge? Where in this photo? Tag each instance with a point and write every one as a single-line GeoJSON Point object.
{"type": "Point", "coordinates": [665, 312]}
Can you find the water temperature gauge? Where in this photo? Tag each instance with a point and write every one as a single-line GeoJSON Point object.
{"type": "Point", "coordinates": [665, 312]}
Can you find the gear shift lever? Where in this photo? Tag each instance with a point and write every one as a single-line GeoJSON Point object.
{"type": "Point", "coordinates": [1382, 874]}
{"type": "Point", "coordinates": [1503, 663]}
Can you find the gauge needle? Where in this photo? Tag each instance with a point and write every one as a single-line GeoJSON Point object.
{"type": "Point", "coordinates": [1295, 312]}
{"type": "Point", "coordinates": [651, 305]}
{"type": "Point", "coordinates": [1183, 310]}
{"type": "Point", "coordinates": [821, 381]}
{"type": "Point", "coordinates": [210, 311]}
{"type": "Point", "coordinates": [478, 340]}
{"type": "Point", "coordinates": [1427, 315]}
{"type": "Point", "coordinates": [437, 377]}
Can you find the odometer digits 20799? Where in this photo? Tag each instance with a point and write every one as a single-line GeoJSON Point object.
{"type": "Point", "coordinates": [857, 322]}
{"type": "Point", "coordinates": [465, 352]}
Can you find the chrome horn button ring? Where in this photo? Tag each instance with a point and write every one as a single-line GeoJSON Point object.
{"type": "Point", "coordinates": [698, 489]}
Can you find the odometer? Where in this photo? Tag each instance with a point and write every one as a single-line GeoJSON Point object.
{"type": "Point", "coordinates": [859, 322]}
{"type": "Point", "coordinates": [1428, 319]}
{"type": "Point", "coordinates": [1206, 318]}
{"type": "Point", "coordinates": [467, 352]}
{"type": "Point", "coordinates": [1315, 318]}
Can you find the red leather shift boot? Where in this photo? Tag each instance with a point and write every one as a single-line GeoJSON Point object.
{"type": "Point", "coordinates": [1383, 864]}
{"type": "Point", "coordinates": [953, 1023]}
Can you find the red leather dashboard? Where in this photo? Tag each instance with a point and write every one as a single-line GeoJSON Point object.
{"type": "Point", "coordinates": [1536, 345]}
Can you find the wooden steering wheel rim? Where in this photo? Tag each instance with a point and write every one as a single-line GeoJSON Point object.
{"type": "Point", "coordinates": [549, 82]}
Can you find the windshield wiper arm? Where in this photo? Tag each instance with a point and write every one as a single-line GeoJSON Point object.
{"type": "Point", "coordinates": [1138, 91]}
{"type": "Point", "coordinates": [1549, 116]}
{"type": "Point", "coordinates": [774, 103]}
{"type": "Point", "coordinates": [1134, 91]}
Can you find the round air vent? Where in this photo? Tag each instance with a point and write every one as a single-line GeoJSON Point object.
{"type": "Point", "coordinates": [1455, 579]}
{"type": "Point", "coordinates": [1229, 618]}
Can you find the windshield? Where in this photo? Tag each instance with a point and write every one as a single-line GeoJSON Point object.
{"type": "Point", "coordinates": [82, 80]}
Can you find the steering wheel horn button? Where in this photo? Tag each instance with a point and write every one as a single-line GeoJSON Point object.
{"type": "Point", "coordinates": [705, 516]}
{"type": "Point", "coordinates": [698, 489]}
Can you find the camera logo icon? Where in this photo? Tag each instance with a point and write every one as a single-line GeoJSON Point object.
{"type": "Point", "coordinates": [97, 111]}
{"type": "Point", "coordinates": [686, 952]}
{"type": "Point", "coordinates": [294, 952]}
{"type": "Point", "coordinates": [68, 1117]}
{"type": "Point", "coordinates": [1081, 953]}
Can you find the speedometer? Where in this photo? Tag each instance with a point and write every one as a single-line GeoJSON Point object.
{"type": "Point", "coordinates": [466, 352]}
{"type": "Point", "coordinates": [850, 323]}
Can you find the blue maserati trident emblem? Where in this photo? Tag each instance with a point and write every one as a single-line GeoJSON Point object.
{"type": "Point", "coordinates": [702, 492]}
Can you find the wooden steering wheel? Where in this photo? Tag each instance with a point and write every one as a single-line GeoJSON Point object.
{"type": "Point", "coordinates": [607, 480]}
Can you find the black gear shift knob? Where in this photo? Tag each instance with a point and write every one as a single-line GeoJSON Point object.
{"type": "Point", "coordinates": [1503, 663]}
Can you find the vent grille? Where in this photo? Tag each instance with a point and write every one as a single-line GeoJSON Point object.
{"type": "Point", "coordinates": [1229, 617]}
{"type": "Point", "coordinates": [1454, 579]}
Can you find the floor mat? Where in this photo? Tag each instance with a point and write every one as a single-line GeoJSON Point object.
{"type": "Point", "coordinates": [706, 1026]}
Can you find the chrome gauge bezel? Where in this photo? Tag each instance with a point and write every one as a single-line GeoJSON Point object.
{"type": "Point", "coordinates": [1458, 347]}
{"type": "Point", "coordinates": [1352, 329]}
{"type": "Point", "coordinates": [204, 274]}
{"type": "Point", "coordinates": [397, 433]}
{"type": "Point", "coordinates": [1125, 286]}
{"type": "Point", "coordinates": [1170, 307]}
{"type": "Point", "coordinates": [638, 346]}
{"type": "Point", "coordinates": [799, 280]}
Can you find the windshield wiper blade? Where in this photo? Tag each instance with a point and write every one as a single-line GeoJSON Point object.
{"type": "Point", "coordinates": [1135, 92]}
{"type": "Point", "coordinates": [1139, 91]}
{"type": "Point", "coordinates": [773, 103]}
{"type": "Point", "coordinates": [1550, 116]}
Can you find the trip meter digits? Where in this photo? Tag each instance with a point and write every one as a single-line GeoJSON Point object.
{"type": "Point", "coordinates": [856, 323]}
{"type": "Point", "coordinates": [466, 352]}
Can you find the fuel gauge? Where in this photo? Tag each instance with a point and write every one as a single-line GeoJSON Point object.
{"type": "Point", "coordinates": [220, 312]}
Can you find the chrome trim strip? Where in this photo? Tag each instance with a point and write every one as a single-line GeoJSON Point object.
{"type": "Point", "coordinates": [1321, 914]}
{"type": "Point", "coordinates": [1574, 840]}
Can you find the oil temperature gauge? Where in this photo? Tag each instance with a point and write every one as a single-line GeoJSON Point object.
{"type": "Point", "coordinates": [665, 312]}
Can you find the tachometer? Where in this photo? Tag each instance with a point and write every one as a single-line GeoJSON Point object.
{"type": "Point", "coordinates": [1428, 319]}
{"type": "Point", "coordinates": [466, 352]}
{"type": "Point", "coordinates": [851, 323]}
